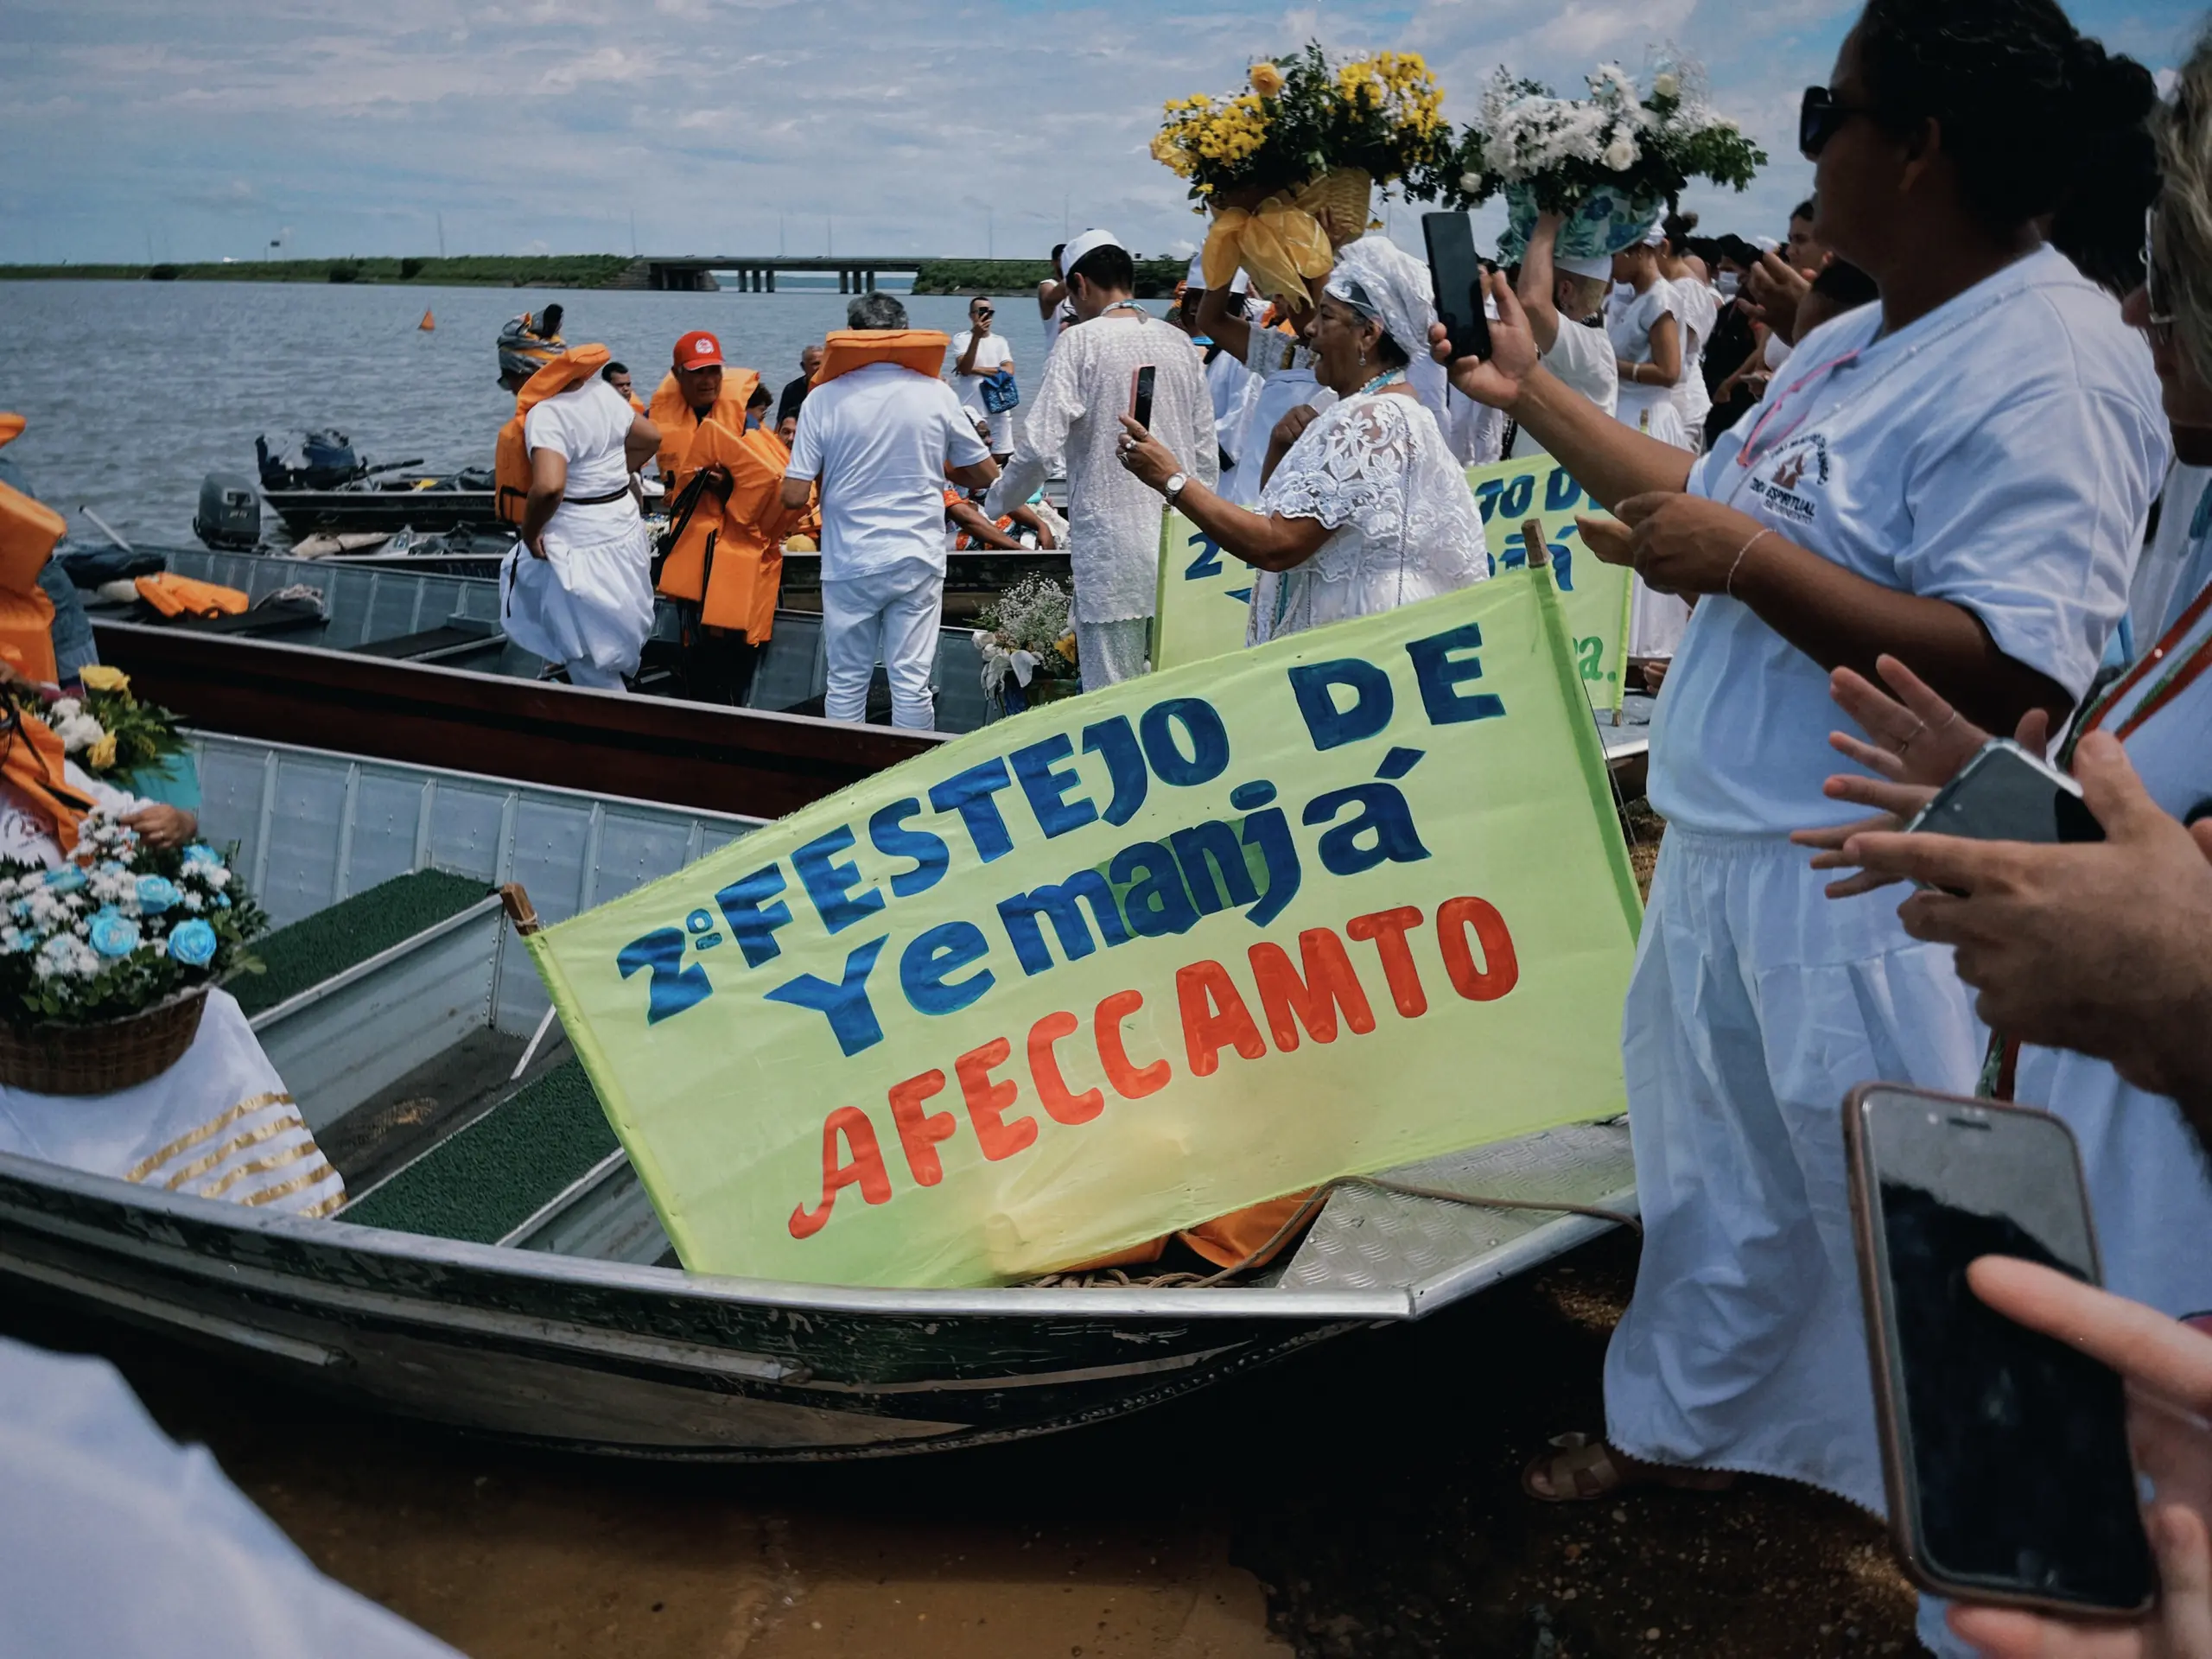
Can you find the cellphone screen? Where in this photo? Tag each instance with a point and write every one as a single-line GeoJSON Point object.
{"type": "Point", "coordinates": [1457, 276]}
{"type": "Point", "coordinates": [2017, 1444]}
{"type": "Point", "coordinates": [1140, 397]}
{"type": "Point", "coordinates": [2005, 797]}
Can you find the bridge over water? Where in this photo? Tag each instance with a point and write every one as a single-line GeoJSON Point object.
{"type": "Point", "coordinates": [756, 273]}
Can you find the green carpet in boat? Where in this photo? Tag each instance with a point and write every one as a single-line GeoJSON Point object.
{"type": "Point", "coordinates": [317, 947]}
{"type": "Point", "coordinates": [483, 1182]}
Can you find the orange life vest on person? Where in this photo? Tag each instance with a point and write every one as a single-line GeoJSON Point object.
{"type": "Point", "coordinates": [11, 428]}
{"type": "Point", "coordinates": [729, 556]}
{"type": "Point", "coordinates": [28, 529]}
{"type": "Point", "coordinates": [511, 460]}
{"type": "Point", "coordinates": [921, 350]}
{"type": "Point", "coordinates": [34, 765]}
{"type": "Point", "coordinates": [680, 425]}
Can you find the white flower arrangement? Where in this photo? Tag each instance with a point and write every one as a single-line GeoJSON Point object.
{"type": "Point", "coordinates": [1625, 146]}
{"type": "Point", "coordinates": [117, 929]}
{"type": "Point", "coordinates": [1028, 634]}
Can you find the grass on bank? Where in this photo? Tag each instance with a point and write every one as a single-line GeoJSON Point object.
{"type": "Point", "coordinates": [478, 270]}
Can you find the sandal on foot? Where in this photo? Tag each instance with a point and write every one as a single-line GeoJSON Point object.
{"type": "Point", "coordinates": [1583, 1469]}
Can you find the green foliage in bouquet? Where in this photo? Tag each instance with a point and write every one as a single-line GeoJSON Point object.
{"type": "Point", "coordinates": [118, 928]}
{"type": "Point", "coordinates": [108, 731]}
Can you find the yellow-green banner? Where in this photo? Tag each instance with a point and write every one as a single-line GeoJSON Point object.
{"type": "Point", "coordinates": [1205, 594]}
{"type": "Point", "coordinates": [1510, 492]}
{"type": "Point", "coordinates": [1129, 961]}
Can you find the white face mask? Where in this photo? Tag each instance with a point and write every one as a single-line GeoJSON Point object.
{"type": "Point", "coordinates": [1726, 283]}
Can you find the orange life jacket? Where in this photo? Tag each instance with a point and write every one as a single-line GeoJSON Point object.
{"type": "Point", "coordinates": [511, 460]}
{"type": "Point", "coordinates": [729, 556]}
{"type": "Point", "coordinates": [27, 634]}
{"type": "Point", "coordinates": [921, 350]}
{"type": "Point", "coordinates": [680, 425]}
{"type": "Point", "coordinates": [11, 428]}
{"type": "Point", "coordinates": [174, 595]}
{"type": "Point", "coordinates": [28, 530]}
{"type": "Point", "coordinates": [35, 764]}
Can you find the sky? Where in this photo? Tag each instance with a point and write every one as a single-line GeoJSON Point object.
{"type": "Point", "coordinates": [191, 129]}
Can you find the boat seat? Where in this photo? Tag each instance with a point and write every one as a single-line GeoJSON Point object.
{"type": "Point", "coordinates": [326, 943]}
{"type": "Point", "coordinates": [277, 616]}
{"type": "Point", "coordinates": [459, 636]}
{"type": "Point", "coordinates": [495, 1173]}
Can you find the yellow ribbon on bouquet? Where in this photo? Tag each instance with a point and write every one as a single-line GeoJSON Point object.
{"type": "Point", "coordinates": [1277, 245]}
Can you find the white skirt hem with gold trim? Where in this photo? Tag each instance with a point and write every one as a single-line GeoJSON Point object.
{"type": "Point", "coordinates": [218, 1124]}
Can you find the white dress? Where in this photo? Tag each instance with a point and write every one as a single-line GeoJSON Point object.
{"type": "Point", "coordinates": [1284, 380]}
{"type": "Point", "coordinates": [1377, 472]}
{"type": "Point", "coordinates": [1697, 307]}
{"type": "Point", "coordinates": [219, 1123]}
{"type": "Point", "coordinates": [1648, 408]}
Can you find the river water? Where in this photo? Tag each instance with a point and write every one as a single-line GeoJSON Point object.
{"type": "Point", "coordinates": [134, 391]}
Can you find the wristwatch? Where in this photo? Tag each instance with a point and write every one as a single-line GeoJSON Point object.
{"type": "Point", "coordinates": [1173, 487]}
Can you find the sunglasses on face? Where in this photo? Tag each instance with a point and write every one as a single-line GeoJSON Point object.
{"type": "Point", "coordinates": [1820, 117]}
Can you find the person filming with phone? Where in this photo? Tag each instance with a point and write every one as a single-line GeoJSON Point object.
{"type": "Point", "coordinates": [977, 354]}
{"type": "Point", "coordinates": [1363, 507]}
{"type": "Point", "coordinates": [1877, 500]}
{"type": "Point", "coordinates": [1095, 374]}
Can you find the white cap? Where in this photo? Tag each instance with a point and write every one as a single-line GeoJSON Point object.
{"type": "Point", "coordinates": [1766, 244]}
{"type": "Point", "coordinates": [1654, 236]}
{"type": "Point", "coordinates": [1196, 276]}
{"type": "Point", "coordinates": [1598, 267]}
{"type": "Point", "coordinates": [1083, 246]}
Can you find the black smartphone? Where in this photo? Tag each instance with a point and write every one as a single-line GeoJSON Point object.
{"type": "Point", "coordinates": [1141, 396]}
{"type": "Point", "coordinates": [2004, 793]}
{"type": "Point", "coordinates": [1458, 276]}
{"type": "Point", "coordinates": [2004, 1451]}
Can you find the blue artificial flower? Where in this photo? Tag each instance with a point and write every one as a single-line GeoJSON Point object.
{"type": "Point", "coordinates": [68, 879]}
{"type": "Point", "coordinates": [200, 853]}
{"type": "Point", "coordinates": [192, 943]}
{"type": "Point", "coordinates": [222, 901]}
{"type": "Point", "coordinates": [113, 934]}
{"type": "Point", "coordinates": [157, 893]}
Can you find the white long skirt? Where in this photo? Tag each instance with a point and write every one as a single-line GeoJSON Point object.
{"type": "Point", "coordinates": [588, 603]}
{"type": "Point", "coordinates": [218, 1124]}
{"type": "Point", "coordinates": [1757, 1003]}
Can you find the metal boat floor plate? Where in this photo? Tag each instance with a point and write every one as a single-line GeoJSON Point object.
{"type": "Point", "coordinates": [1367, 1239]}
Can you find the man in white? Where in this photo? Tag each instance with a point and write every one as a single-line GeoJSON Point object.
{"type": "Point", "coordinates": [579, 586]}
{"type": "Point", "coordinates": [977, 354]}
{"type": "Point", "coordinates": [882, 440]}
{"type": "Point", "coordinates": [1075, 421]}
{"type": "Point", "coordinates": [1559, 294]}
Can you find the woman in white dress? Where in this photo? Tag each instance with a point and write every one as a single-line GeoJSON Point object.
{"type": "Point", "coordinates": [1697, 308]}
{"type": "Point", "coordinates": [1364, 506]}
{"type": "Point", "coordinates": [1647, 338]}
{"type": "Point", "coordinates": [218, 1123]}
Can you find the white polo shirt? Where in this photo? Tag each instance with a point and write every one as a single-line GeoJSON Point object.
{"type": "Point", "coordinates": [879, 439]}
{"type": "Point", "coordinates": [1999, 453]}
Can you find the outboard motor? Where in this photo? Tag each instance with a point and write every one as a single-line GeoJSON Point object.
{"type": "Point", "coordinates": [328, 460]}
{"type": "Point", "coordinates": [229, 518]}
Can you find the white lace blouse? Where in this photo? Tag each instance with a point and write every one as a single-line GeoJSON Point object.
{"type": "Point", "coordinates": [1376, 471]}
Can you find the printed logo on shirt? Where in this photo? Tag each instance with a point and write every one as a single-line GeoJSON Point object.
{"type": "Point", "coordinates": [1787, 484]}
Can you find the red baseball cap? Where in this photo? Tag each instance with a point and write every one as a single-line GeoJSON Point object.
{"type": "Point", "coordinates": [698, 350]}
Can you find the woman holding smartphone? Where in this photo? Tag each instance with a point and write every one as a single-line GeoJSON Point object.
{"type": "Point", "coordinates": [1958, 474]}
{"type": "Point", "coordinates": [1363, 506]}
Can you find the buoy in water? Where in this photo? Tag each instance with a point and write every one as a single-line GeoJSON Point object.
{"type": "Point", "coordinates": [427, 323]}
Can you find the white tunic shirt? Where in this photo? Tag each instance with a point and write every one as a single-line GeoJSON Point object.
{"type": "Point", "coordinates": [879, 438]}
{"type": "Point", "coordinates": [1648, 408]}
{"type": "Point", "coordinates": [1074, 421]}
{"type": "Point", "coordinates": [1376, 471]}
{"type": "Point", "coordinates": [2024, 505]}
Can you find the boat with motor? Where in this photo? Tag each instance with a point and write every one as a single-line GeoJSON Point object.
{"type": "Point", "coordinates": [331, 489]}
{"type": "Point", "coordinates": [498, 1266]}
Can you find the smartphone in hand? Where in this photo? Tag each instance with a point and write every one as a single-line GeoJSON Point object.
{"type": "Point", "coordinates": [2005, 793]}
{"type": "Point", "coordinates": [1458, 276]}
{"type": "Point", "coordinates": [2004, 1451]}
{"type": "Point", "coordinates": [1140, 382]}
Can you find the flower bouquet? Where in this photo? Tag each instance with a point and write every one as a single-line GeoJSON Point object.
{"type": "Point", "coordinates": [105, 961]}
{"type": "Point", "coordinates": [110, 732]}
{"type": "Point", "coordinates": [1610, 164]}
{"type": "Point", "coordinates": [1289, 165]}
{"type": "Point", "coordinates": [1028, 637]}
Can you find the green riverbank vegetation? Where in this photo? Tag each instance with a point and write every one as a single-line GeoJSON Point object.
{"type": "Point", "coordinates": [478, 270]}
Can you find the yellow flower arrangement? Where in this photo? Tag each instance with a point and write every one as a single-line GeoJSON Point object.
{"type": "Point", "coordinates": [1268, 81]}
{"type": "Point", "coordinates": [101, 755]}
{"type": "Point", "coordinates": [97, 676]}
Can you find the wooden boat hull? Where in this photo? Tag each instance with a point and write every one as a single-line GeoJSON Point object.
{"type": "Point", "coordinates": [724, 760]}
{"type": "Point", "coordinates": [387, 511]}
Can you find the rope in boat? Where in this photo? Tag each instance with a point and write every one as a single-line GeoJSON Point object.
{"type": "Point", "coordinates": [1119, 1279]}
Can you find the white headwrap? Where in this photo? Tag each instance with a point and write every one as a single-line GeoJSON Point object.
{"type": "Point", "coordinates": [1381, 280]}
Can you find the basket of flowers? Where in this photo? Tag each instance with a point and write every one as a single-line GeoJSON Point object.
{"type": "Point", "coordinates": [1029, 646]}
{"type": "Point", "coordinates": [106, 961]}
{"type": "Point", "coordinates": [1610, 164]}
{"type": "Point", "coordinates": [1288, 166]}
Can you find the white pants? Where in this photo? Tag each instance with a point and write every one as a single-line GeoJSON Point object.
{"type": "Point", "coordinates": [588, 603]}
{"type": "Point", "coordinates": [890, 617]}
{"type": "Point", "coordinates": [1757, 1003]}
